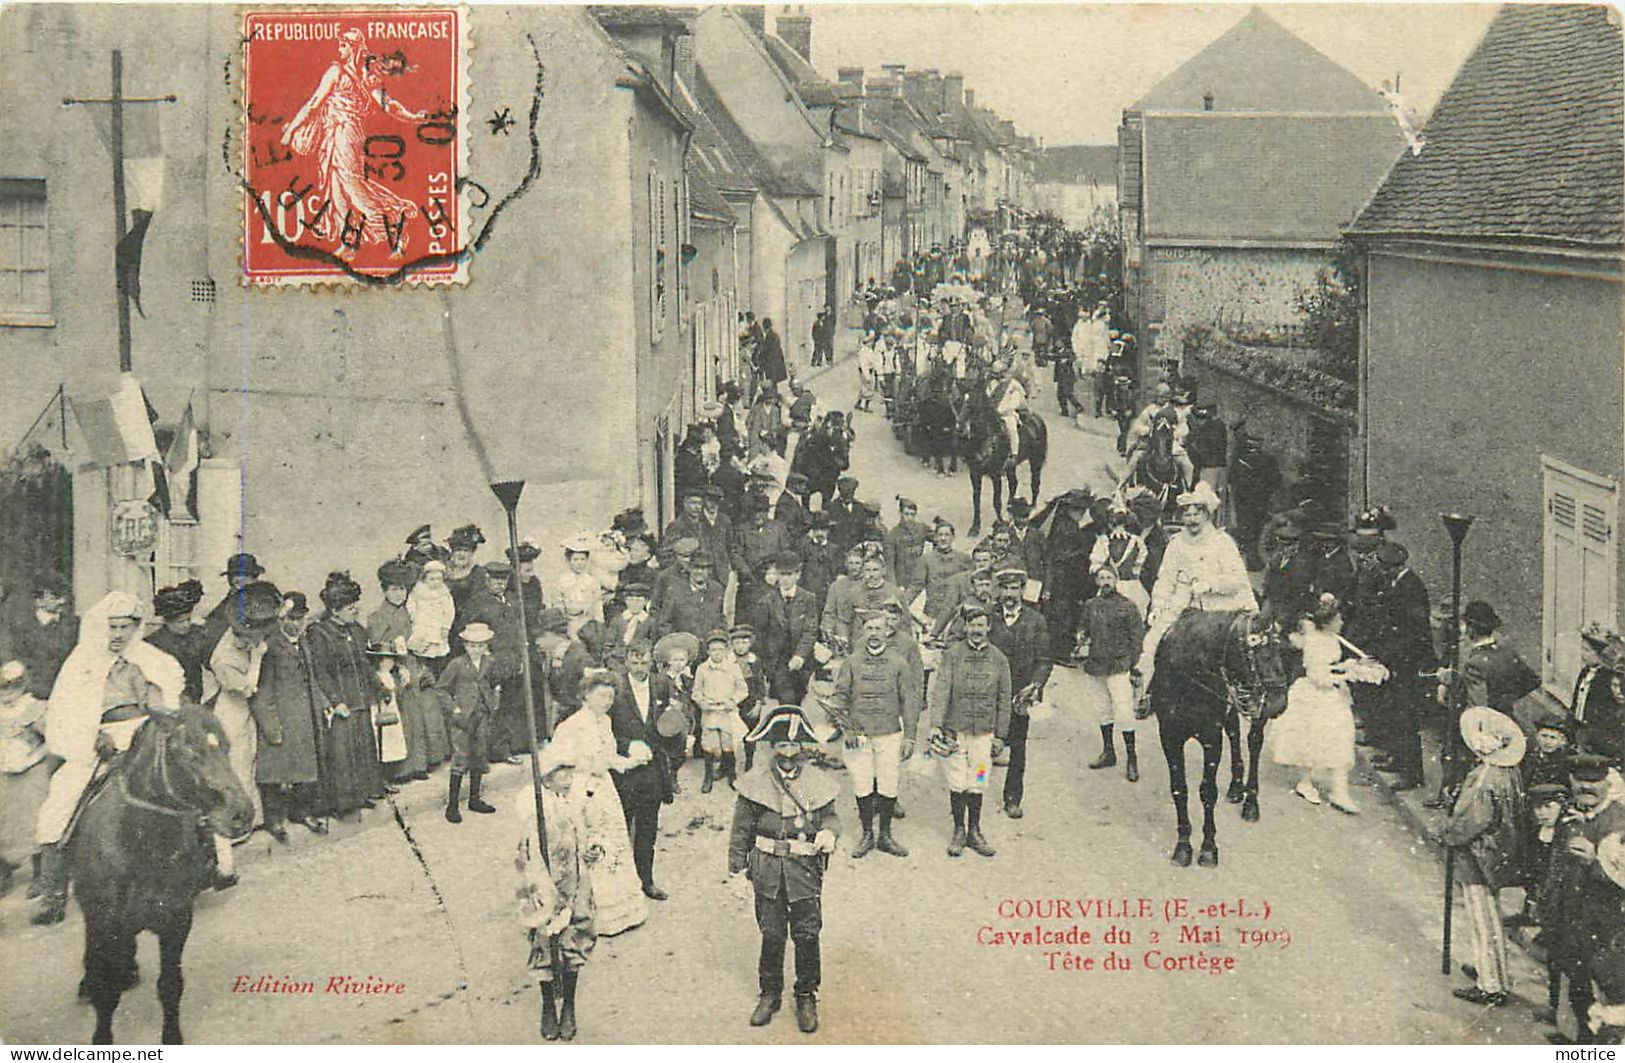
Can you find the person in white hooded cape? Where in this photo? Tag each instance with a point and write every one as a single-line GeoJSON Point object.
{"type": "Point", "coordinates": [103, 694]}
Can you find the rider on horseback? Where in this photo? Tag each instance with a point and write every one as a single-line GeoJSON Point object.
{"type": "Point", "coordinates": [1161, 413]}
{"type": "Point", "coordinates": [1009, 395]}
{"type": "Point", "coordinates": [106, 688]}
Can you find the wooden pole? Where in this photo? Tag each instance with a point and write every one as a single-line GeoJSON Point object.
{"type": "Point", "coordinates": [119, 216]}
{"type": "Point", "coordinates": [510, 502]}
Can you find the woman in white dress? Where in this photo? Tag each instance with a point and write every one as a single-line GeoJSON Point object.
{"type": "Point", "coordinates": [581, 589]}
{"type": "Point", "coordinates": [1316, 733]}
{"type": "Point", "coordinates": [617, 892]}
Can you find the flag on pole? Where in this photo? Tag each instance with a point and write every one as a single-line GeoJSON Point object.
{"type": "Point", "coordinates": [180, 468]}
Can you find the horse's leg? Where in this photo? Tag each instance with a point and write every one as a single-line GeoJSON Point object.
{"type": "Point", "coordinates": [1255, 746]}
{"type": "Point", "coordinates": [107, 944]}
{"type": "Point", "coordinates": [1036, 468]}
{"type": "Point", "coordinates": [1173, 734]}
{"type": "Point", "coordinates": [1212, 739]}
{"type": "Point", "coordinates": [999, 478]}
{"type": "Point", "coordinates": [1238, 780]}
{"type": "Point", "coordinates": [975, 500]}
{"type": "Point", "coordinates": [171, 944]}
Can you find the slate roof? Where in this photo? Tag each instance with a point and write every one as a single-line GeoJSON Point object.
{"type": "Point", "coordinates": [1077, 164]}
{"type": "Point", "coordinates": [708, 151]}
{"type": "Point", "coordinates": [633, 16]}
{"type": "Point", "coordinates": [771, 179]}
{"type": "Point", "coordinates": [704, 201]}
{"type": "Point", "coordinates": [1260, 65]}
{"type": "Point", "coordinates": [1528, 142]}
{"type": "Point", "coordinates": [1290, 180]}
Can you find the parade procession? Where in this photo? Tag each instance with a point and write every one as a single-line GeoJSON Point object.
{"type": "Point", "coordinates": [608, 524]}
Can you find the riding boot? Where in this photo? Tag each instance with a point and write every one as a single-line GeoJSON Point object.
{"type": "Point", "coordinates": [750, 756]}
{"type": "Point", "coordinates": [35, 882]}
{"type": "Point", "coordinates": [1133, 770]}
{"type": "Point", "coordinates": [866, 816]}
{"type": "Point", "coordinates": [973, 826]}
{"type": "Point", "coordinates": [454, 797]}
{"type": "Point", "coordinates": [550, 1016]}
{"type": "Point", "coordinates": [567, 1007]}
{"type": "Point", "coordinates": [728, 771]}
{"type": "Point", "coordinates": [888, 811]}
{"type": "Point", "coordinates": [475, 804]}
{"type": "Point", "coordinates": [1108, 752]}
{"type": "Point", "coordinates": [710, 774]}
{"type": "Point", "coordinates": [53, 889]}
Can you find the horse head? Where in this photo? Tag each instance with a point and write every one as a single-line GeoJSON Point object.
{"type": "Point", "coordinates": [178, 763]}
{"type": "Point", "coordinates": [1253, 666]}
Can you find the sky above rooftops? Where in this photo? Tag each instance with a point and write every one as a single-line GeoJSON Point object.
{"type": "Point", "coordinates": [1066, 71]}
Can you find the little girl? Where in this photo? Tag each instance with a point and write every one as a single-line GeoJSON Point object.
{"type": "Point", "coordinates": [1316, 733]}
{"type": "Point", "coordinates": [581, 589]}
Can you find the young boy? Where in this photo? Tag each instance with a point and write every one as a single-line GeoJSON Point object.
{"type": "Point", "coordinates": [719, 688]}
{"type": "Point", "coordinates": [470, 703]}
{"type": "Point", "coordinates": [1111, 630]}
{"type": "Point", "coordinates": [1548, 761]}
{"type": "Point", "coordinates": [555, 896]}
{"type": "Point", "coordinates": [742, 641]}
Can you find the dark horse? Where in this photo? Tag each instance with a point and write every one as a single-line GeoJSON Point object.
{"type": "Point", "coordinates": [139, 855]}
{"type": "Point", "coordinates": [985, 446]}
{"type": "Point", "coordinates": [1155, 467]}
{"type": "Point", "coordinates": [1212, 668]}
{"type": "Point", "coordinates": [933, 422]}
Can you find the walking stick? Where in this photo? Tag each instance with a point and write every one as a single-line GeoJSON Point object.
{"type": "Point", "coordinates": [1455, 525]}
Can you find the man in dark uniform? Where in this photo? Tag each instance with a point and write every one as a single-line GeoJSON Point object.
{"type": "Point", "coordinates": [1400, 633]}
{"type": "Point", "coordinates": [1331, 564]}
{"type": "Point", "coordinates": [179, 637]}
{"type": "Point", "coordinates": [1024, 639]}
{"type": "Point", "coordinates": [877, 704]}
{"type": "Point", "coordinates": [784, 829]}
{"type": "Point", "coordinates": [1289, 578]}
{"type": "Point", "coordinates": [1255, 476]}
{"type": "Point", "coordinates": [842, 511]}
{"type": "Point", "coordinates": [1490, 673]}
{"type": "Point", "coordinates": [786, 626]}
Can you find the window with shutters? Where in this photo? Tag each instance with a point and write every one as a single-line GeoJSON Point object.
{"type": "Point", "coordinates": [1580, 567]}
{"type": "Point", "coordinates": [25, 253]}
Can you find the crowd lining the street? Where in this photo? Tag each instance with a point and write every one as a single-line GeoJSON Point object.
{"type": "Point", "coordinates": [781, 612]}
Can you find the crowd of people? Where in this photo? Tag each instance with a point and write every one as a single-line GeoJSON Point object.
{"type": "Point", "coordinates": [782, 623]}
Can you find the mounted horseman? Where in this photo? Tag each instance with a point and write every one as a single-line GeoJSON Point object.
{"type": "Point", "coordinates": [997, 433]}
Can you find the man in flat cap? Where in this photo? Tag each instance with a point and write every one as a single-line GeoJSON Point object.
{"type": "Point", "coordinates": [905, 548]}
{"type": "Point", "coordinates": [1022, 636]}
{"type": "Point", "coordinates": [693, 605]}
{"type": "Point", "coordinates": [1490, 673]}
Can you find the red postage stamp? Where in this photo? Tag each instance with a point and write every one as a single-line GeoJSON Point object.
{"type": "Point", "coordinates": [352, 146]}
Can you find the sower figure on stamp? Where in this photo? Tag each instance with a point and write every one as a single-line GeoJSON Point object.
{"type": "Point", "coordinates": [970, 715]}
{"type": "Point", "coordinates": [784, 829]}
{"type": "Point", "coordinates": [1023, 637]}
{"type": "Point", "coordinates": [877, 700]}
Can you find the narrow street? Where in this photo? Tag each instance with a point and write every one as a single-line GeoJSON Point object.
{"type": "Point", "coordinates": [1353, 920]}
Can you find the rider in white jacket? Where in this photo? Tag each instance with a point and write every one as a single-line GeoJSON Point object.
{"type": "Point", "coordinates": [1201, 569]}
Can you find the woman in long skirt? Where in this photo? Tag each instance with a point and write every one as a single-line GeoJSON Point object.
{"type": "Point", "coordinates": [389, 629]}
{"type": "Point", "coordinates": [617, 892]}
{"type": "Point", "coordinates": [1316, 733]}
{"type": "Point", "coordinates": [344, 691]}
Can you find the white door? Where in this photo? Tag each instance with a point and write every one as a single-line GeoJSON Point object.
{"type": "Point", "coordinates": [1580, 567]}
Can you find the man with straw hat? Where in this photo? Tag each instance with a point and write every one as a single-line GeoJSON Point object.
{"type": "Point", "coordinates": [1486, 827]}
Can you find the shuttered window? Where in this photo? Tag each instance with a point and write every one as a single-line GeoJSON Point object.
{"type": "Point", "coordinates": [25, 279]}
{"type": "Point", "coordinates": [1581, 566]}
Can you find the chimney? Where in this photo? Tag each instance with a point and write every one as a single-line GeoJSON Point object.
{"type": "Point", "coordinates": [895, 71]}
{"type": "Point", "coordinates": [851, 75]}
{"type": "Point", "coordinates": [953, 91]}
{"type": "Point", "coordinates": [796, 31]}
{"type": "Point", "coordinates": [970, 99]}
{"type": "Point", "coordinates": [685, 59]}
{"type": "Point", "coordinates": [1207, 101]}
{"type": "Point", "coordinates": [755, 16]}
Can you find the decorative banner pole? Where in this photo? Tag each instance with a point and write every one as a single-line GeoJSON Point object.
{"type": "Point", "coordinates": [1455, 525]}
{"type": "Point", "coordinates": [508, 492]}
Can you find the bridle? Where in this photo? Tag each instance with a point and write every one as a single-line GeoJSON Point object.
{"type": "Point", "coordinates": [1244, 695]}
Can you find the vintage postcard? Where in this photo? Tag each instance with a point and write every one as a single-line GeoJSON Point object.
{"type": "Point", "coordinates": [825, 524]}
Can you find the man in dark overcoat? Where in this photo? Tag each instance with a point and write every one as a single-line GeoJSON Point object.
{"type": "Point", "coordinates": [1023, 637]}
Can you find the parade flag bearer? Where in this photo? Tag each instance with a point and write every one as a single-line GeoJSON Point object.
{"type": "Point", "coordinates": [784, 829]}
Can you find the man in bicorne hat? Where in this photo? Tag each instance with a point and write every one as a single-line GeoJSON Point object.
{"type": "Point", "coordinates": [784, 829]}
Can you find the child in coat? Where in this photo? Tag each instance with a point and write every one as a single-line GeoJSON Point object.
{"type": "Point", "coordinates": [719, 689]}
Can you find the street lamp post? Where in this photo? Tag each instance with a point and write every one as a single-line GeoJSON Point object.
{"type": "Point", "coordinates": [508, 492]}
{"type": "Point", "coordinates": [1455, 525]}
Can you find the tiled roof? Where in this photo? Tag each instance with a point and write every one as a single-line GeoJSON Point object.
{"type": "Point", "coordinates": [704, 201]}
{"type": "Point", "coordinates": [787, 59]}
{"type": "Point", "coordinates": [1077, 164]}
{"type": "Point", "coordinates": [708, 149]}
{"type": "Point", "coordinates": [771, 179]}
{"type": "Point", "coordinates": [1527, 141]}
{"type": "Point", "coordinates": [1288, 179]}
{"type": "Point", "coordinates": [616, 16]}
{"type": "Point", "coordinates": [1259, 65]}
